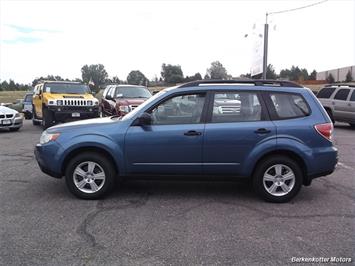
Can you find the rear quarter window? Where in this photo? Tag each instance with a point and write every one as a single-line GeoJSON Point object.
{"type": "Point", "coordinates": [352, 98]}
{"type": "Point", "coordinates": [289, 105]}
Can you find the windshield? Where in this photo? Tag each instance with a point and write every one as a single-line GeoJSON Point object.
{"type": "Point", "coordinates": [132, 92]}
{"type": "Point", "coordinates": [66, 88]}
{"type": "Point", "coordinates": [28, 98]}
{"type": "Point", "coordinates": [142, 106]}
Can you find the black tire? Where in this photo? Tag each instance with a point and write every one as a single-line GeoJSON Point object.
{"type": "Point", "coordinates": [34, 122]}
{"type": "Point", "coordinates": [352, 125]}
{"type": "Point", "coordinates": [48, 118]}
{"type": "Point", "coordinates": [268, 163]}
{"type": "Point", "coordinates": [14, 129]}
{"type": "Point", "coordinates": [105, 164]}
{"type": "Point", "coordinates": [28, 116]}
{"type": "Point", "coordinates": [330, 113]}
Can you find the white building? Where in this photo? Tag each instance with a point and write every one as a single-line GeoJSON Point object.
{"type": "Point", "coordinates": [339, 74]}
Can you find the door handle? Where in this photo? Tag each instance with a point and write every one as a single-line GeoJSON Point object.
{"type": "Point", "coordinates": [192, 133]}
{"type": "Point", "coordinates": [262, 131]}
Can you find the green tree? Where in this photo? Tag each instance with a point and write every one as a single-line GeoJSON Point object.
{"type": "Point", "coordinates": [313, 75]}
{"type": "Point", "coordinates": [172, 74]}
{"type": "Point", "coordinates": [195, 77]}
{"type": "Point", "coordinates": [135, 77]}
{"type": "Point", "coordinates": [270, 72]}
{"type": "Point", "coordinates": [217, 71]}
{"type": "Point", "coordinates": [295, 74]}
{"type": "Point", "coordinates": [349, 77]}
{"type": "Point", "coordinates": [4, 86]}
{"type": "Point", "coordinates": [95, 75]}
{"type": "Point", "coordinates": [116, 80]}
{"type": "Point", "coordinates": [330, 78]}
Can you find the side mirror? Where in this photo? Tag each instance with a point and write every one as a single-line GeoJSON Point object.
{"type": "Point", "coordinates": [143, 120]}
{"type": "Point", "coordinates": [109, 97]}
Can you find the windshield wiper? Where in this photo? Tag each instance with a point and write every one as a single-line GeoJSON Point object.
{"type": "Point", "coordinates": [115, 116]}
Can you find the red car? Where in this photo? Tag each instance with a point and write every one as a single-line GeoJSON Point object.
{"type": "Point", "coordinates": [121, 99]}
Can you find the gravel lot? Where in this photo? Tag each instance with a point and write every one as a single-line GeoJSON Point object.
{"type": "Point", "coordinates": [169, 223]}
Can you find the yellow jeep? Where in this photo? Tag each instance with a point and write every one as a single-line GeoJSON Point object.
{"type": "Point", "coordinates": [61, 101]}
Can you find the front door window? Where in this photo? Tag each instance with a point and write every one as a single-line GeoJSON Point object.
{"type": "Point", "coordinates": [182, 109]}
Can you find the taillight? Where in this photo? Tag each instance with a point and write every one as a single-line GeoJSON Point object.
{"type": "Point", "coordinates": [325, 130]}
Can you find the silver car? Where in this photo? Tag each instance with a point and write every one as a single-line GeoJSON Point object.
{"type": "Point", "coordinates": [339, 102]}
{"type": "Point", "coordinates": [10, 119]}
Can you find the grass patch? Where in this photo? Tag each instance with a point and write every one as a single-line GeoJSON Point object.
{"type": "Point", "coordinates": [11, 96]}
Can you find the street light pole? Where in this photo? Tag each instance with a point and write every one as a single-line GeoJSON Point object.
{"type": "Point", "coordinates": [266, 32]}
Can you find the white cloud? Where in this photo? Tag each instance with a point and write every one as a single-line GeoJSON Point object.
{"type": "Point", "coordinates": [130, 35]}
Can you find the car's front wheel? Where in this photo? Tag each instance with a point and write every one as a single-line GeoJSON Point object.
{"type": "Point", "coordinates": [90, 175]}
{"type": "Point", "coordinates": [277, 179]}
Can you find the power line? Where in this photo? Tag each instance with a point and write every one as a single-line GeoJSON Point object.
{"type": "Point", "coordinates": [297, 8]}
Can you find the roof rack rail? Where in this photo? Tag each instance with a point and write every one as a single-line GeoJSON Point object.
{"type": "Point", "coordinates": [255, 82]}
{"type": "Point", "coordinates": [352, 85]}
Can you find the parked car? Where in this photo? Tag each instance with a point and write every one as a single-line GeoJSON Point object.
{"type": "Point", "coordinates": [279, 136]}
{"type": "Point", "coordinates": [10, 119]}
{"type": "Point", "coordinates": [27, 106]}
{"type": "Point", "coordinates": [339, 102]}
{"type": "Point", "coordinates": [62, 101]}
{"type": "Point", "coordinates": [121, 99]}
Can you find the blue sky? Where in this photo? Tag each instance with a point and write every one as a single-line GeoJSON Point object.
{"type": "Point", "coordinates": [58, 37]}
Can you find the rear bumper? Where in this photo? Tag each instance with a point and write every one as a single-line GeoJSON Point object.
{"type": "Point", "coordinates": [323, 163]}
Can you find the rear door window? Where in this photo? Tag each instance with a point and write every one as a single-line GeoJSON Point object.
{"type": "Point", "coordinates": [289, 105]}
{"type": "Point", "coordinates": [236, 107]}
{"type": "Point", "coordinates": [325, 92]}
{"type": "Point", "coordinates": [342, 94]}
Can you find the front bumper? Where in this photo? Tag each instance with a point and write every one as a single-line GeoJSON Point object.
{"type": "Point", "coordinates": [46, 159]}
{"type": "Point", "coordinates": [15, 122]}
{"type": "Point", "coordinates": [67, 113]}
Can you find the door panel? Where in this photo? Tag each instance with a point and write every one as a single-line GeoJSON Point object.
{"type": "Point", "coordinates": [227, 145]}
{"type": "Point", "coordinates": [340, 104]}
{"type": "Point", "coordinates": [37, 101]}
{"type": "Point", "coordinates": [238, 125]}
{"type": "Point", "coordinates": [172, 143]}
{"type": "Point", "coordinates": [164, 149]}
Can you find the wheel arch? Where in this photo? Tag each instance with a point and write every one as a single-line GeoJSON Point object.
{"type": "Point", "coordinates": [290, 154]}
{"type": "Point", "coordinates": [94, 149]}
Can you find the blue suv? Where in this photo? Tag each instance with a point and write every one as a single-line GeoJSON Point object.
{"type": "Point", "coordinates": [274, 132]}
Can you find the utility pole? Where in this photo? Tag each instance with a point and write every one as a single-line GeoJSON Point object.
{"type": "Point", "coordinates": [266, 30]}
{"type": "Point", "coordinates": [266, 33]}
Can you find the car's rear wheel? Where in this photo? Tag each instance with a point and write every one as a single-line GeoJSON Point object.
{"type": "Point", "coordinates": [90, 175]}
{"type": "Point", "coordinates": [277, 179]}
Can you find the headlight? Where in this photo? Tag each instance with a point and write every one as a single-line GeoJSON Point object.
{"type": "Point", "coordinates": [89, 102]}
{"type": "Point", "coordinates": [124, 108]}
{"type": "Point", "coordinates": [60, 102]}
{"type": "Point", "coordinates": [96, 102]}
{"type": "Point", "coordinates": [17, 115]}
{"type": "Point", "coordinates": [51, 102]}
{"type": "Point", "coordinates": [47, 137]}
